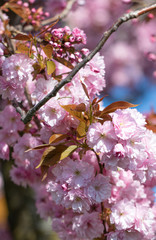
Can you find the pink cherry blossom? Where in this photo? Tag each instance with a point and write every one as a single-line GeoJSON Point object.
{"type": "Point", "coordinates": [10, 119]}
{"type": "Point", "coordinates": [77, 200]}
{"type": "Point", "coordinates": [101, 137]}
{"type": "Point", "coordinates": [99, 189]}
{"type": "Point", "coordinates": [88, 226]}
{"type": "Point", "coordinates": [15, 75]}
{"type": "Point", "coordinates": [123, 214]}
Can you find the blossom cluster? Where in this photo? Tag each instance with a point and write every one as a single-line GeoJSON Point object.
{"type": "Point", "coordinates": [63, 40]}
{"type": "Point", "coordinates": [32, 15]}
{"type": "Point", "coordinates": [129, 54]}
{"type": "Point", "coordinates": [97, 165]}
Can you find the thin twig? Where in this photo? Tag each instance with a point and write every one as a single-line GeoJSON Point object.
{"type": "Point", "coordinates": [106, 35]}
{"type": "Point", "coordinates": [62, 15]}
{"type": "Point", "coordinates": [28, 97]}
{"type": "Point", "coordinates": [59, 16]}
{"type": "Point", "coordinates": [18, 108]}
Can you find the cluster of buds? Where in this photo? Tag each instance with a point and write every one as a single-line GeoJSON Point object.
{"type": "Point", "coordinates": [32, 15]}
{"type": "Point", "coordinates": [63, 40]}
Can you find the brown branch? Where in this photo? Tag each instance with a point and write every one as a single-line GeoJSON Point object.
{"type": "Point", "coordinates": [62, 15]}
{"type": "Point", "coordinates": [28, 97]}
{"type": "Point", "coordinates": [106, 35]}
{"type": "Point", "coordinates": [59, 16]}
{"type": "Point", "coordinates": [16, 105]}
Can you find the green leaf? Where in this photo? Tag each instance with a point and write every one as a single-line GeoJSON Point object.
{"type": "Point", "coordinates": [50, 67]}
{"type": "Point", "coordinates": [68, 151]}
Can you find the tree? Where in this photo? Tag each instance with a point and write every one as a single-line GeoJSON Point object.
{"type": "Point", "coordinates": [91, 168]}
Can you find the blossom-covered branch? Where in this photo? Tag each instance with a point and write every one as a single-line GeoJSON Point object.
{"type": "Point", "coordinates": [126, 17]}
{"type": "Point", "coordinates": [61, 15]}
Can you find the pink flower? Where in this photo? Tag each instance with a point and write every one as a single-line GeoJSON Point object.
{"type": "Point", "coordinates": [79, 35]}
{"type": "Point", "coordinates": [92, 75]}
{"type": "Point", "coordinates": [16, 71]}
{"type": "Point", "coordinates": [23, 158]}
{"type": "Point", "coordinates": [99, 189]}
{"type": "Point", "coordinates": [77, 200]}
{"type": "Point", "coordinates": [43, 87]}
{"type": "Point", "coordinates": [22, 176]}
{"type": "Point", "coordinates": [9, 137]}
{"type": "Point", "coordinates": [124, 124]}
{"type": "Point", "coordinates": [52, 113]}
{"type": "Point", "coordinates": [10, 119]}
{"type": "Point", "coordinates": [11, 90]}
{"type": "Point", "coordinates": [123, 214]}
{"type": "Point", "coordinates": [64, 226]}
{"type": "Point", "coordinates": [128, 122]}
{"type": "Point", "coordinates": [119, 150]}
{"type": "Point", "coordinates": [57, 191]}
{"type": "Point", "coordinates": [88, 226]}
{"type": "Point", "coordinates": [76, 173]}
{"type": "Point", "coordinates": [125, 235]}
{"type": "Point", "coordinates": [145, 220]}
{"type": "Point", "coordinates": [101, 137]}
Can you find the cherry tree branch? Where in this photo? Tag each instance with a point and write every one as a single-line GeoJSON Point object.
{"type": "Point", "coordinates": [61, 15]}
{"type": "Point", "coordinates": [126, 17]}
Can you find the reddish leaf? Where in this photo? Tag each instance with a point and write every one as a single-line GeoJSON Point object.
{"type": "Point", "coordinates": [16, 8]}
{"type": "Point", "coordinates": [71, 109]}
{"type": "Point", "coordinates": [57, 138]}
{"type": "Point", "coordinates": [22, 48]}
{"type": "Point", "coordinates": [150, 127]}
{"type": "Point", "coordinates": [106, 117]}
{"type": "Point", "coordinates": [97, 113]}
{"type": "Point", "coordinates": [48, 157]}
{"type": "Point", "coordinates": [85, 89]}
{"type": "Point", "coordinates": [80, 107]}
{"type": "Point", "coordinates": [151, 121]}
{"type": "Point", "coordinates": [53, 155]}
{"type": "Point", "coordinates": [96, 107]}
{"type": "Point", "coordinates": [57, 77]}
{"type": "Point", "coordinates": [94, 101]}
{"type": "Point", "coordinates": [48, 50]}
{"type": "Point", "coordinates": [64, 62]}
{"type": "Point", "coordinates": [38, 147]}
{"type": "Point", "coordinates": [22, 37]}
{"type": "Point", "coordinates": [101, 99]}
{"type": "Point", "coordinates": [44, 171]}
{"type": "Point", "coordinates": [117, 105]}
